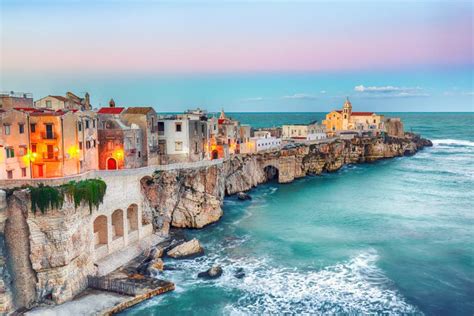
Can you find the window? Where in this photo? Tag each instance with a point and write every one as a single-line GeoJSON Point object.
{"type": "Point", "coordinates": [48, 104]}
{"type": "Point", "coordinates": [49, 131]}
{"type": "Point", "coordinates": [94, 143]}
{"type": "Point", "coordinates": [195, 147]}
{"type": "Point", "coordinates": [21, 128]}
{"type": "Point", "coordinates": [178, 146]}
{"type": "Point", "coordinates": [33, 148]}
{"type": "Point", "coordinates": [80, 145]}
{"type": "Point", "coordinates": [375, 121]}
{"type": "Point", "coordinates": [22, 150]}
{"type": "Point", "coordinates": [23, 172]}
{"type": "Point", "coordinates": [87, 124]}
{"type": "Point", "coordinates": [88, 144]}
{"type": "Point", "coordinates": [203, 130]}
{"type": "Point", "coordinates": [10, 174]}
{"type": "Point", "coordinates": [93, 123]}
{"type": "Point", "coordinates": [161, 126]}
{"type": "Point", "coordinates": [178, 127]}
{"type": "Point", "coordinates": [79, 126]}
{"type": "Point", "coordinates": [6, 129]}
{"type": "Point", "coordinates": [10, 152]}
{"type": "Point", "coordinates": [110, 145]}
{"type": "Point", "coordinates": [139, 154]}
{"type": "Point", "coordinates": [33, 127]}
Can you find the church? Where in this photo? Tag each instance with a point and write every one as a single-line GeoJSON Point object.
{"type": "Point", "coordinates": [346, 120]}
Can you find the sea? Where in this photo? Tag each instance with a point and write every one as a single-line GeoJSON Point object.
{"type": "Point", "coordinates": [391, 237]}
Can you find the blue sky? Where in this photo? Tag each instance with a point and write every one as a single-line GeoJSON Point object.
{"type": "Point", "coordinates": [244, 56]}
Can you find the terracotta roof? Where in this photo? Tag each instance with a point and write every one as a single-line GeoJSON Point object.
{"type": "Point", "coordinates": [138, 110]}
{"type": "Point", "coordinates": [110, 110]}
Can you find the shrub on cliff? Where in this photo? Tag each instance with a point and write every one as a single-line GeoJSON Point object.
{"type": "Point", "coordinates": [90, 191]}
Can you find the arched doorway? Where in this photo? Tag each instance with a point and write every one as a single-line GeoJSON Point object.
{"type": "Point", "coordinates": [111, 164]}
{"type": "Point", "coordinates": [215, 154]}
{"type": "Point", "coordinates": [271, 173]}
{"type": "Point", "coordinates": [100, 231]}
{"type": "Point", "coordinates": [117, 224]}
{"type": "Point", "coordinates": [132, 218]}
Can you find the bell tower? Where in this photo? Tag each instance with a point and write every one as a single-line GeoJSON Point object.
{"type": "Point", "coordinates": [346, 114]}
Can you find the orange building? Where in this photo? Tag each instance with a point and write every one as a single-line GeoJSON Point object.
{"type": "Point", "coordinates": [45, 143]}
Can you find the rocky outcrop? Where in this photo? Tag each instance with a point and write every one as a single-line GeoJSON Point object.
{"type": "Point", "coordinates": [186, 250]}
{"type": "Point", "coordinates": [212, 273]}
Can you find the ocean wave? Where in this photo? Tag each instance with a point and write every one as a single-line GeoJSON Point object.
{"type": "Point", "coordinates": [357, 286]}
{"type": "Point", "coordinates": [452, 142]}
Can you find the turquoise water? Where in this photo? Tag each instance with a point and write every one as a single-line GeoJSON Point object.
{"type": "Point", "coordinates": [396, 236]}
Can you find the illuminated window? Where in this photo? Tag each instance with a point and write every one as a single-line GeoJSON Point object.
{"type": "Point", "coordinates": [21, 128]}
{"type": "Point", "coordinates": [178, 146]}
{"type": "Point", "coordinates": [178, 127]}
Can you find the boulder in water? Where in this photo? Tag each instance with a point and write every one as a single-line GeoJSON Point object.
{"type": "Point", "coordinates": [212, 273]}
{"type": "Point", "coordinates": [243, 196]}
{"type": "Point", "coordinates": [187, 249]}
{"type": "Point", "coordinates": [239, 273]}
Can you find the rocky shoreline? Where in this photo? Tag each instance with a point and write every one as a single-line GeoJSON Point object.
{"type": "Point", "coordinates": [56, 249]}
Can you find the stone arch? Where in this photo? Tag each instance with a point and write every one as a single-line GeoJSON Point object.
{"type": "Point", "coordinates": [214, 154]}
{"type": "Point", "coordinates": [271, 172]}
{"type": "Point", "coordinates": [100, 231]}
{"type": "Point", "coordinates": [117, 224]}
{"type": "Point", "coordinates": [132, 218]}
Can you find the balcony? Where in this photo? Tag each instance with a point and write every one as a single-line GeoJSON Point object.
{"type": "Point", "coordinates": [47, 135]}
{"type": "Point", "coordinates": [51, 156]}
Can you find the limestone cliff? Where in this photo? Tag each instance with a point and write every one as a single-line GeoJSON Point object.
{"type": "Point", "coordinates": [191, 198]}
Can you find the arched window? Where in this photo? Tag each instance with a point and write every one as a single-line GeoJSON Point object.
{"type": "Point", "coordinates": [117, 224]}
{"type": "Point", "coordinates": [100, 231]}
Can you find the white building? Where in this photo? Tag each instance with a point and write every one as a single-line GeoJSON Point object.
{"type": "Point", "coordinates": [312, 131]}
{"type": "Point", "coordinates": [260, 142]}
{"type": "Point", "coordinates": [183, 137]}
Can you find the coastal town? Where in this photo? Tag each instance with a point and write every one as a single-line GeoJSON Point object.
{"type": "Point", "coordinates": [59, 136]}
{"type": "Point", "coordinates": [89, 196]}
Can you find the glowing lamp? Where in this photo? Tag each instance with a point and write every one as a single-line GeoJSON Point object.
{"type": "Point", "coordinates": [118, 154]}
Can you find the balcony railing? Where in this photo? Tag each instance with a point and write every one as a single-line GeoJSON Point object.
{"type": "Point", "coordinates": [50, 156]}
{"type": "Point", "coordinates": [48, 135]}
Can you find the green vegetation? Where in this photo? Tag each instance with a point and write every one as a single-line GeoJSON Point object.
{"type": "Point", "coordinates": [90, 191]}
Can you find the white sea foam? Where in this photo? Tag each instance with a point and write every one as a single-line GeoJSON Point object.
{"type": "Point", "coordinates": [357, 286]}
{"type": "Point", "coordinates": [451, 142]}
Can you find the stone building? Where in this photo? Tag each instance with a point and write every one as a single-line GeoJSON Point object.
{"type": "Point", "coordinates": [309, 132]}
{"type": "Point", "coordinates": [346, 120]}
{"type": "Point", "coordinates": [69, 102]}
{"type": "Point", "coordinates": [146, 119]}
{"type": "Point", "coordinates": [120, 145]}
{"type": "Point", "coordinates": [14, 144]}
{"type": "Point", "coordinates": [183, 137]}
{"type": "Point", "coordinates": [42, 143]}
{"type": "Point", "coordinates": [10, 100]}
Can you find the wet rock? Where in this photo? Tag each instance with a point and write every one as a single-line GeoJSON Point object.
{"type": "Point", "coordinates": [188, 249]}
{"type": "Point", "coordinates": [212, 273]}
{"type": "Point", "coordinates": [243, 196]}
{"type": "Point", "coordinates": [155, 266]}
{"type": "Point", "coordinates": [239, 273]}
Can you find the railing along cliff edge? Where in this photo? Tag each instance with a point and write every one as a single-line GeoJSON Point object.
{"type": "Point", "coordinates": [104, 174]}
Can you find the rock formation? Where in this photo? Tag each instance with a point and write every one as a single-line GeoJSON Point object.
{"type": "Point", "coordinates": [187, 249]}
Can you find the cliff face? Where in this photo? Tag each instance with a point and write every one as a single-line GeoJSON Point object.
{"type": "Point", "coordinates": [192, 198]}
{"type": "Point", "coordinates": [50, 254]}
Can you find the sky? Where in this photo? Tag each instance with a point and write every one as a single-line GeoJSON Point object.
{"type": "Point", "coordinates": [243, 55]}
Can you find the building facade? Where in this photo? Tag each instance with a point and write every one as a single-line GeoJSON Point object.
{"type": "Point", "coordinates": [10, 100]}
{"type": "Point", "coordinates": [120, 145]}
{"type": "Point", "coordinates": [308, 132]}
{"type": "Point", "coordinates": [68, 102]}
{"type": "Point", "coordinates": [346, 120]}
{"type": "Point", "coordinates": [146, 119]}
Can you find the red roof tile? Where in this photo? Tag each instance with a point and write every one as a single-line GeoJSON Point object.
{"type": "Point", "coordinates": [110, 110]}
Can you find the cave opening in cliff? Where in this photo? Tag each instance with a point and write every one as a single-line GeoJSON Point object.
{"type": "Point", "coordinates": [271, 173]}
